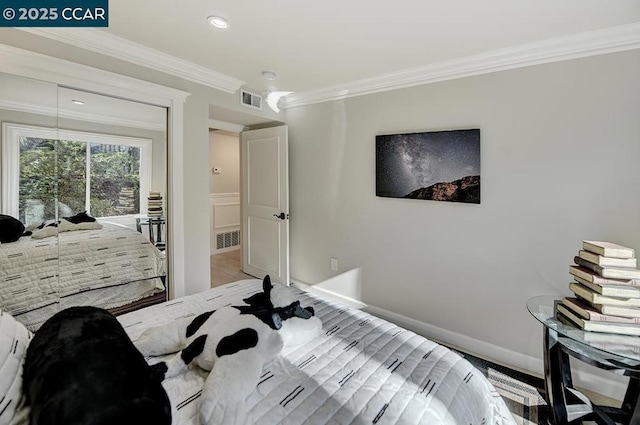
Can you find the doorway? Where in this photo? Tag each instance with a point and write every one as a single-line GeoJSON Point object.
{"type": "Point", "coordinates": [225, 220]}
{"type": "Point", "coordinates": [224, 214]}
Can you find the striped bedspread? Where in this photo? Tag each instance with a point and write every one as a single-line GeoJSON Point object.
{"type": "Point", "coordinates": [360, 370]}
{"type": "Point", "coordinates": [107, 268]}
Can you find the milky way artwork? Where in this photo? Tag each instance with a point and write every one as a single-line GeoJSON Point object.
{"type": "Point", "coordinates": [439, 166]}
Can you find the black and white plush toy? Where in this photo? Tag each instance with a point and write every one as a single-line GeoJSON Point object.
{"type": "Point", "coordinates": [81, 368]}
{"type": "Point", "coordinates": [80, 221]}
{"type": "Point", "coordinates": [234, 343]}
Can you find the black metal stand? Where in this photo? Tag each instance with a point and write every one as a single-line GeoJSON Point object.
{"type": "Point", "coordinates": [151, 221]}
{"type": "Point", "coordinates": [563, 403]}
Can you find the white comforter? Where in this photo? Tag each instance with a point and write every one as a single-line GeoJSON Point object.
{"type": "Point", "coordinates": [361, 370]}
{"type": "Point", "coordinates": [14, 340]}
{"type": "Point", "coordinates": [107, 268]}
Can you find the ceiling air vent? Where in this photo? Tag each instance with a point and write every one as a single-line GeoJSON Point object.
{"type": "Point", "coordinates": [251, 100]}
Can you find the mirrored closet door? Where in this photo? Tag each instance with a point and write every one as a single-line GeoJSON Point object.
{"type": "Point", "coordinates": [86, 174]}
{"type": "Point", "coordinates": [28, 187]}
{"type": "Point", "coordinates": [112, 169]}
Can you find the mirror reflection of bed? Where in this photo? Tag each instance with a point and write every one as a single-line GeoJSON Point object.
{"type": "Point", "coordinates": [66, 152]}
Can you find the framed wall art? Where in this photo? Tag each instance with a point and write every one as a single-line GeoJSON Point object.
{"type": "Point", "coordinates": [436, 165]}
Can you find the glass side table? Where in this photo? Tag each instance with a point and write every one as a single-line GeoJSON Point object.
{"type": "Point", "coordinates": [619, 354]}
{"type": "Point", "coordinates": [151, 221]}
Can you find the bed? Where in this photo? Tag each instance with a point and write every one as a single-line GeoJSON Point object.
{"type": "Point", "coordinates": [360, 370]}
{"type": "Point", "coordinates": [113, 267]}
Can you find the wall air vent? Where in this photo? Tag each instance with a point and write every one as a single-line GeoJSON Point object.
{"type": "Point", "coordinates": [250, 100]}
{"type": "Point", "coordinates": [227, 239]}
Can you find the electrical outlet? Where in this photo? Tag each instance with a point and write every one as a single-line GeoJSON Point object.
{"type": "Point", "coordinates": [334, 264]}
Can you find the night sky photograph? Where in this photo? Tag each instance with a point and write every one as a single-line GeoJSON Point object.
{"type": "Point", "coordinates": [412, 165]}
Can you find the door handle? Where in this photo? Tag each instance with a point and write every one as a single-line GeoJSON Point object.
{"type": "Point", "coordinates": [281, 216]}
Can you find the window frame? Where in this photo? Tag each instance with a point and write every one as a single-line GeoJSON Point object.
{"type": "Point", "coordinates": [11, 134]}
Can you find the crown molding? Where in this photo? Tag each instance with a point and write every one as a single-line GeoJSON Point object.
{"type": "Point", "coordinates": [28, 108]}
{"type": "Point", "coordinates": [121, 122]}
{"type": "Point", "coordinates": [94, 118]}
{"type": "Point", "coordinates": [609, 40]}
{"type": "Point", "coordinates": [14, 60]}
{"type": "Point", "coordinates": [108, 44]}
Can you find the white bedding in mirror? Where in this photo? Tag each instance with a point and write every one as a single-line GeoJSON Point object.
{"type": "Point", "coordinates": [106, 268]}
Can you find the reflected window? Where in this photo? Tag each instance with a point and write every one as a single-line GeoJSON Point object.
{"type": "Point", "coordinates": [103, 179]}
{"type": "Point", "coordinates": [105, 175]}
{"type": "Point", "coordinates": [37, 182]}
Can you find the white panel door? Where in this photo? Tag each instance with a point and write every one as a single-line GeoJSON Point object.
{"type": "Point", "coordinates": [265, 203]}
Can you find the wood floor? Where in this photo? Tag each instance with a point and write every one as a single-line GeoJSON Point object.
{"type": "Point", "coordinates": [226, 267]}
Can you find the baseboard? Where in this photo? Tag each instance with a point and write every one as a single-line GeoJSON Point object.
{"type": "Point", "coordinates": [214, 251]}
{"type": "Point", "coordinates": [604, 385]}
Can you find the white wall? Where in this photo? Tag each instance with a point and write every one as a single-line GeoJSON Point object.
{"type": "Point", "coordinates": [224, 153]}
{"type": "Point", "coordinates": [224, 188]}
{"type": "Point", "coordinates": [559, 150]}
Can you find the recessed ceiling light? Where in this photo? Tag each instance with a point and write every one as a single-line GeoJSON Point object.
{"type": "Point", "coordinates": [78, 102]}
{"type": "Point", "coordinates": [218, 22]}
{"type": "Point", "coordinates": [269, 75]}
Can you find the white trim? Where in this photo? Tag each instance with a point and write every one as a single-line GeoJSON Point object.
{"type": "Point", "coordinates": [9, 203]}
{"type": "Point", "coordinates": [175, 200]}
{"type": "Point", "coordinates": [94, 118]}
{"type": "Point", "coordinates": [228, 204]}
{"type": "Point", "coordinates": [223, 250]}
{"type": "Point", "coordinates": [104, 119]}
{"type": "Point", "coordinates": [11, 134]}
{"type": "Point", "coordinates": [226, 126]}
{"type": "Point", "coordinates": [224, 195]}
{"type": "Point", "coordinates": [28, 108]}
{"type": "Point", "coordinates": [501, 355]}
{"type": "Point", "coordinates": [217, 208]}
{"type": "Point", "coordinates": [609, 40]}
{"type": "Point", "coordinates": [46, 68]}
{"type": "Point", "coordinates": [29, 64]}
{"type": "Point", "coordinates": [351, 302]}
{"type": "Point", "coordinates": [120, 48]}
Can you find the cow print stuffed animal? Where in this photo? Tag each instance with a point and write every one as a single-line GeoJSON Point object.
{"type": "Point", "coordinates": [234, 343]}
{"type": "Point", "coordinates": [81, 368]}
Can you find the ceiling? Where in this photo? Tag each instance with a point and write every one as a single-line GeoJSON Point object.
{"type": "Point", "coordinates": [316, 45]}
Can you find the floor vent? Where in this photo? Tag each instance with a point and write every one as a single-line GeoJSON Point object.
{"type": "Point", "coordinates": [227, 239]}
{"type": "Point", "coordinates": [252, 100]}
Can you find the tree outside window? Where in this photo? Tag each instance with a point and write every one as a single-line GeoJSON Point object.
{"type": "Point", "coordinates": [105, 179]}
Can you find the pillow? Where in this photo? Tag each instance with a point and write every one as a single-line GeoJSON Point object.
{"type": "Point", "coordinates": [65, 226]}
{"type": "Point", "coordinates": [14, 339]}
{"type": "Point", "coordinates": [10, 229]}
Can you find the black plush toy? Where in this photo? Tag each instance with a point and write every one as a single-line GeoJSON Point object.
{"type": "Point", "coordinates": [10, 229]}
{"type": "Point", "coordinates": [81, 368]}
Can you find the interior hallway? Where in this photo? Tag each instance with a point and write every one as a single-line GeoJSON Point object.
{"type": "Point", "coordinates": [226, 267]}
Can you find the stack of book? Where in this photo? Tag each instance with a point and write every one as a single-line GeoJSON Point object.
{"type": "Point", "coordinates": [607, 290]}
{"type": "Point", "coordinates": [154, 204]}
